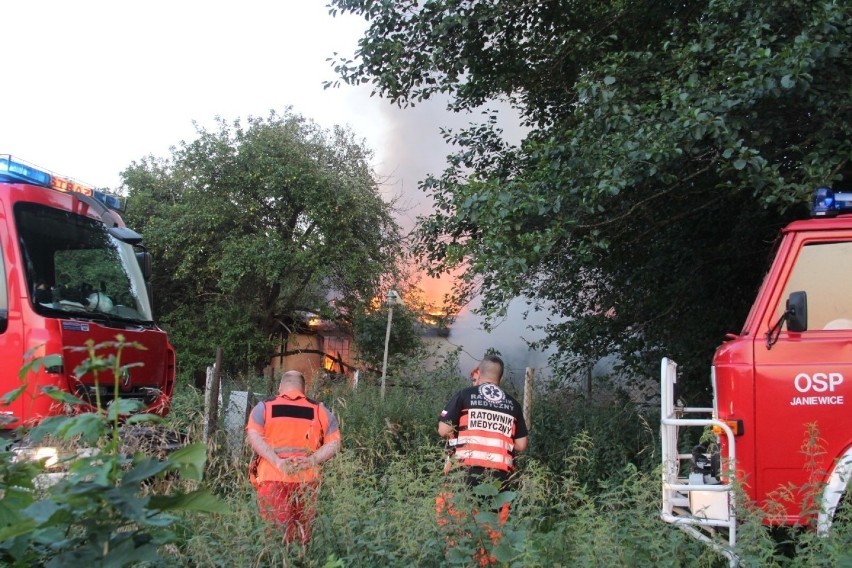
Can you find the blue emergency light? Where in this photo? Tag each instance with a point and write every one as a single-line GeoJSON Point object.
{"type": "Point", "coordinates": [828, 203]}
{"type": "Point", "coordinates": [18, 171]}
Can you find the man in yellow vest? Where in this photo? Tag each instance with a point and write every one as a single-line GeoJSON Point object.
{"type": "Point", "coordinates": [291, 435]}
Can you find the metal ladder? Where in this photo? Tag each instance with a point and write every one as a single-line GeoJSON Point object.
{"type": "Point", "coordinates": [698, 509]}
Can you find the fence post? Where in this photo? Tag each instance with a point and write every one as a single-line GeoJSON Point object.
{"type": "Point", "coordinates": [528, 394]}
{"type": "Point", "coordinates": [208, 382]}
{"type": "Point", "coordinates": [250, 404]}
{"type": "Point", "coordinates": [213, 389]}
{"type": "Point", "coordinates": [589, 380]}
{"type": "Point", "coordinates": [355, 380]}
{"type": "Point", "coordinates": [269, 375]}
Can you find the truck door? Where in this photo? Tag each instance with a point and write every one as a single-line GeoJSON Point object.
{"type": "Point", "coordinates": [805, 377]}
{"type": "Point", "coordinates": [10, 333]}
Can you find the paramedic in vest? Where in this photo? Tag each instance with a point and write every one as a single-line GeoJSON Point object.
{"type": "Point", "coordinates": [484, 426]}
{"type": "Point", "coordinates": [291, 435]}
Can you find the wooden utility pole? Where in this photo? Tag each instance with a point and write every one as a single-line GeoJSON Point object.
{"type": "Point", "coordinates": [387, 343]}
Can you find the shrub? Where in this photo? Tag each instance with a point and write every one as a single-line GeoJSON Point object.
{"type": "Point", "coordinates": [105, 509]}
{"type": "Point", "coordinates": [619, 432]}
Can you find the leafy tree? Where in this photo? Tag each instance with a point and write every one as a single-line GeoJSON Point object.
{"type": "Point", "coordinates": [667, 142]}
{"type": "Point", "coordinates": [252, 226]}
{"type": "Point", "coordinates": [370, 329]}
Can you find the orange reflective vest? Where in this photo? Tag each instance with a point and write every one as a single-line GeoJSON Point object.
{"type": "Point", "coordinates": [293, 425]}
{"type": "Point", "coordinates": [486, 439]}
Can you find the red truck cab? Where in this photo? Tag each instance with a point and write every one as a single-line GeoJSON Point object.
{"type": "Point", "coordinates": [71, 271]}
{"type": "Point", "coordinates": [782, 390]}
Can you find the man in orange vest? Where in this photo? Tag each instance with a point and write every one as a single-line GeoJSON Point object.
{"type": "Point", "coordinates": [485, 429]}
{"type": "Point", "coordinates": [291, 435]}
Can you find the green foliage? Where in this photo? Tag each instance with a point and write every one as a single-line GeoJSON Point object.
{"type": "Point", "coordinates": [99, 509]}
{"type": "Point", "coordinates": [96, 267]}
{"type": "Point", "coordinates": [388, 430]}
{"type": "Point", "coordinates": [617, 434]}
{"type": "Point", "coordinates": [370, 331]}
{"type": "Point", "coordinates": [666, 144]}
{"type": "Point", "coordinates": [583, 506]}
{"type": "Point", "coordinates": [254, 224]}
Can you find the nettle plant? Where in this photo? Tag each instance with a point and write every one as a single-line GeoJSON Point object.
{"type": "Point", "coordinates": [104, 508]}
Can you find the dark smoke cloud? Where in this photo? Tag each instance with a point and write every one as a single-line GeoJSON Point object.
{"type": "Point", "coordinates": [413, 148]}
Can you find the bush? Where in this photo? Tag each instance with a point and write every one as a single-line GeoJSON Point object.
{"type": "Point", "coordinates": [620, 434]}
{"type": "Point", "coordinates": [109, 507]}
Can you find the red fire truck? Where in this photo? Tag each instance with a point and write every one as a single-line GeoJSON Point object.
{"type": "Point", "coordinates": [71, 271]}
{"type": "Point", "coordinates": [785, 379]}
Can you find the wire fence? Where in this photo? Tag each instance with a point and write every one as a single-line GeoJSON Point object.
{"type": "Point", "coordinates": [227, 405]}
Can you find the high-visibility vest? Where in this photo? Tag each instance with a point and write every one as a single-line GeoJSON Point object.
{"type": "Point", "coordinates": [484, 446]}
{"type": "Point", "coordinates": [293, 427]}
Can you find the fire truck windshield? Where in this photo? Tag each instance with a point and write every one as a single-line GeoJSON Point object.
{"type": "Point", "coordinates": [74, 266]}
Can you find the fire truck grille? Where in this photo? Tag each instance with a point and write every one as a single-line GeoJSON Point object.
{"type": "Point", "coordinates": [146, 395]}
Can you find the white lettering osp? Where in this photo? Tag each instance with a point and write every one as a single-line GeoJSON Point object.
{"type": "Point", "coordinates": [818, 382]}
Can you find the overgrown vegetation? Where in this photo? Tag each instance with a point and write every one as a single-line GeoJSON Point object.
{"type": "Point", "coordinates": [589, 494]}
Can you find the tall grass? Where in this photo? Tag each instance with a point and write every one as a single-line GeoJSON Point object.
{"type": "Point", "coordinates": [589, 495]}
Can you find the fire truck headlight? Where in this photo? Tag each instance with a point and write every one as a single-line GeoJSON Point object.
{"type": "Point", "coordinates": [50, 456]}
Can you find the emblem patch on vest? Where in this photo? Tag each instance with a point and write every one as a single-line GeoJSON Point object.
{"type": "Point", "coordinates": [492, 393]}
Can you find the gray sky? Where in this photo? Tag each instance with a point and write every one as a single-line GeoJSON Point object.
{"type": "Point", "coordinates": [92, 85]}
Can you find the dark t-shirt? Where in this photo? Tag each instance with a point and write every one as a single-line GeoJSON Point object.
{"type": "Point", "coordinates": [489, 398]}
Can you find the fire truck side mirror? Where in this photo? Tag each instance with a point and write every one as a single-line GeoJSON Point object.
{"type": "Point", "coordinates": [126, 235]}
{"type": "Point", "coordinates": [797, 311]}
{"type": "Point", "coordinates": [144, 260]}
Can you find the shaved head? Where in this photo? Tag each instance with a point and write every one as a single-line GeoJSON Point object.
{"type": "Point", "coordinates": [491, 368]}
{"type": "Point", "coordinates": [292, 380]}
